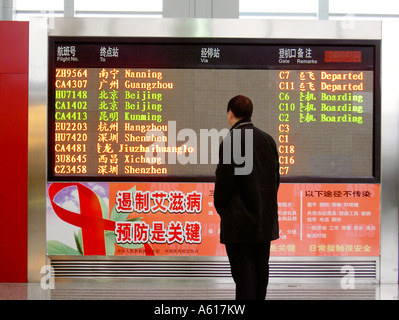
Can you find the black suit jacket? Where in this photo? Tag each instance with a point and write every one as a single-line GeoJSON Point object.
{"type": "Point", "coordinates": [247, 204]}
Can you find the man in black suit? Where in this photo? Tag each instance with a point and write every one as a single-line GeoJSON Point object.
{"type": "Point", "coordinates": [245, 197]}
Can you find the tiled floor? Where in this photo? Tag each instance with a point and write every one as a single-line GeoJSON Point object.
{"type": "Point", "coordinates": [168, 289]}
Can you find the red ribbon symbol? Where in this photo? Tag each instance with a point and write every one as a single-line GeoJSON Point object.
{"type": "Point", "coordinates": [90, 218]}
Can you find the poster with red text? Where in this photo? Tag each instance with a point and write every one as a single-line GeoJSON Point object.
{"type": "Point", "coordinates": [179, 219]}
{"type": "Point", "coordinates": [163, 219]}
{"type": "Point", "coordinates": [328, 220]}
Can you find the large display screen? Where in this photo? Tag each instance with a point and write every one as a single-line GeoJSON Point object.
{"type": "Point", "coordinates": [134, 109]}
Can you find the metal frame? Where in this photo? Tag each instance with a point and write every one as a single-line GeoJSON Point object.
{"type": "Point", "coordinates": [40, 29]}
{"type": "Point", "coordinates": [365, 270]}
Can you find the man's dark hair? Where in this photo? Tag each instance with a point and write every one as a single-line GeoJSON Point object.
{"type": "Point", "coordinates": [241, 106]}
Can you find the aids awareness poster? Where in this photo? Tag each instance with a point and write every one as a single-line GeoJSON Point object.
{"type": "Point", "coordinates": [179, 219]}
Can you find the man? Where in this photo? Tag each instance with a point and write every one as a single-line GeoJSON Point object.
{"type": "Point", "coordinates": [247, 201]}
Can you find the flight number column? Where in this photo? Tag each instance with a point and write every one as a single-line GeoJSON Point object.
{"type": "Point", "coordinates": [70, 131]}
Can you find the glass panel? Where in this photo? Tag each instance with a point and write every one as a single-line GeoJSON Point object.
{"type": "Point", "coordinates": [372, 7]}
{"type": "Point", "coordinates": [24, 9]}
{"type": "Point", "coordinates": [287, 9]}
{"type": "Point", "coordinates": [118, 5]}
{"type": "Point", "coordinates": [28, 5]}
{"type": "Point", "coordinates": [291, 6]}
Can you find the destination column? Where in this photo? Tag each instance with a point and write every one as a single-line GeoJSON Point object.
{"type": "Point", "coordinates": [108, 122]}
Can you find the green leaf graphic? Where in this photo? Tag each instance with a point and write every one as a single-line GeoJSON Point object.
{"type": "Point", "coordinates": [79, 241]}
{"type": "Point", "coordinates": [109, 242]}
{"type": "Point", "coordinates": [55, 247]}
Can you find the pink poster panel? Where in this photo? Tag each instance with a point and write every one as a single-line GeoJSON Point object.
{"type": "Point", "coordinates": [179, 219]}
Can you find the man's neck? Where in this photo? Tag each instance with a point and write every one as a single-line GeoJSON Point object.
{"type": "Point", "coordinates": [238, 121]}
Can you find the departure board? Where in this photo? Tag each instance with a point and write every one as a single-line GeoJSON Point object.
{"type": "Point", "coordinates": [147, 109]}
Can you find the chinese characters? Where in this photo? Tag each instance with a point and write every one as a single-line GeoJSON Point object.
{"type": "Point", "coordinates": [158, 232]}
{"type": "Point", "coordinates": [141, 232]}
{"type": "Point", "coordinates": [146, 201]}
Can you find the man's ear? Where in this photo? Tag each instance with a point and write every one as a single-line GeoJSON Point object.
{"type": "Point", "coordinates": [230, 116]}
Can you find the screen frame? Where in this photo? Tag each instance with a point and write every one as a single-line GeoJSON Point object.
{"type": "Point", "coordinates": [375, 44]}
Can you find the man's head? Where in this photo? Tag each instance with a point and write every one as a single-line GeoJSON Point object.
{"type": "Point", "coordinates": [238, 108]}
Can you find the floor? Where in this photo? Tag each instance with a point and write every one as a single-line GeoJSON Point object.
{"type": "Point", "coordinates": [180, 289]}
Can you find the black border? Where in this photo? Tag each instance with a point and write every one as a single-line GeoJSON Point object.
{"type": "Point", "coordinates": [375, 44]}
